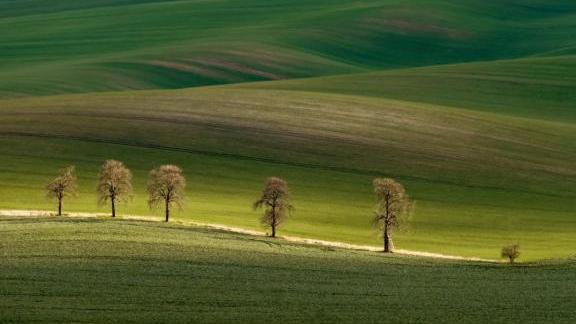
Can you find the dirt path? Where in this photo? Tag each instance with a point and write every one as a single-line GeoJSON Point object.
{"type": "Point", "coordinates": [43, 213]}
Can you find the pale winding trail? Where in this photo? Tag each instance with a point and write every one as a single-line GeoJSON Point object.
{"type": "Point", "coordinates": [44, 213]}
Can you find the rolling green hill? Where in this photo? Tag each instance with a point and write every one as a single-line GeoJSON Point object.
{"type": "Point", "coordinates": [481, 179]}
{"type": "Point", "coordinates": [535, 88]}
{"type": "Point", "coordinates": [58, 270]}
{"type": "Point", "coordinates": [469, 103]}
{"type": "Point", "coordinates": [55, 47]}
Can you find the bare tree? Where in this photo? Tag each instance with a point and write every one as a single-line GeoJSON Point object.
{"type": "Point", "coordinates": [512, 252]}
{"type": "Point", "coordinates": [64, 185]}
{"type": "Point", "coordinates": [114, 184]}
{"type": "Point", "coordinates": [275, 199]}
{"type": "Point", "coordinates": [166, 185]}
{"type": "Point", "coordinates": [393, 208]}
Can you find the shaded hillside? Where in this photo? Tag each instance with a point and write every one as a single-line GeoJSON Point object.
{"type": "Point", "coordinates": [51, 47]}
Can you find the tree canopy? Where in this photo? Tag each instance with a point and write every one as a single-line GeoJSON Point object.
{"type": "Point", "coordinates": [166, 185]}
{"type": "Point", "coordinates": [114, 184]}
{"type": "Point", "coordinates": [63, 186]}
{"type": "Point", "coordinates": [392, 209]}
{"type": "Point", "coordinates": [275, 199]}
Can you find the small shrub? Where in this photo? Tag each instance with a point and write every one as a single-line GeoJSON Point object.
{"type": "Point", "coordinates": [512, 252]}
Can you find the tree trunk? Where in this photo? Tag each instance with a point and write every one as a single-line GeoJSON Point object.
{"type": "Point", "coordinates": [273, 225]}
{"type": "Point", "coordinates": [113, 200]}
{"type": "Point", "coordinates": [60, 206]}
{"type": "Point", "coordinates": [167, 210]}
{"type": "Point", "coordinates": [386, 225]}
{"type": "Point", "coordinates": [386, 240]}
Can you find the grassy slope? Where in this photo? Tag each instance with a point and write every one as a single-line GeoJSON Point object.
{"type": "Point", "coordinates": [51, 47]}
{"type": "Point", "coordinates": [100, 270]}
{"type": "Point", "coordinates": [480, 179]}
{"type": "Point", "coordinates": [487, 165]}
{"type": "Point", "coordinates": [536, 88]}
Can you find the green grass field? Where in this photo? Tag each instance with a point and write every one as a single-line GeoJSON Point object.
{"type": "Point", "coordinates": [64, 270]}
{"type": "Point", "coordinates": [56, 47]}
{"type": "Point", "coordinates": [470, 104]}
{"type": "Point", "coordinates": [535, 88]}
{"type": "Point", "coordinates": [480, 180]}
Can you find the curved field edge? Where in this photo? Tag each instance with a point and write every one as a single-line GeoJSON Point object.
{"type": "Point", "coordinates": [308, 241]}
{"type": "Point", "coordinates": [480, 180]}
{"type": "Point", "coordinates": [536, 88]}
{"type": "Point", "coordinates": [140, 271]}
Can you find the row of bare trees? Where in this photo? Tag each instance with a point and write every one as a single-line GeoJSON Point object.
{"type": "Point", "coordinates": [392, 210]}
{"type": "Point", "coordinates": [166, 187]}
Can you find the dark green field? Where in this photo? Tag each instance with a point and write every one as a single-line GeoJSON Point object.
{"type": "Point", "coordinates": [61, 46]}
{"type": "Point", "coordinates": [63, 270]}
